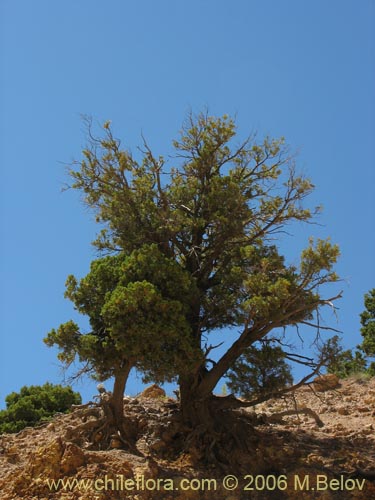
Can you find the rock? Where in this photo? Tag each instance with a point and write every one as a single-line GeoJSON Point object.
{"type": "Point", "coordinates": [158, 445]}
{"type": "Point", "coordinates": [72, 459]}
{"type": "Point", "coordinates": [115, 443]}
{"type": "Point", "coordinates": [363, 409]}
{"type": "Point", "coordinates": [326, 382]}
{"type": "Point", "coordinates": [342, 410]}
{"type": "Point", "coordinates": [47, 459]}
{"type": "Point", "coordinates": [367, 432]}
{"type": "Point", "coordinates": [153, 392]}
{"type": "Point", "coordinates": [343, 446]}
{"type": "Point", "coordinates": [134, 402]}
{"type": "Point", "coordinates": [154, 410]}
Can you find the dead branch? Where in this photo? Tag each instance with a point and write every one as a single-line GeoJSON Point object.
{"type": "Point", "coordinates": [277, 417]}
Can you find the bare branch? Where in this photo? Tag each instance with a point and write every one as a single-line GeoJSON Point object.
{"type": "Point", "coordinates": [278, 394]}
{"type": "Point", "coordinates": [320, 327]}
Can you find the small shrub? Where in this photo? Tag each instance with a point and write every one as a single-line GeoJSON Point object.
{"type": "Point", "coordinates": [35, 404]}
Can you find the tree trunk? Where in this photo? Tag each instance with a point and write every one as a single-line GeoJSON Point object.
{"type": "Point", "coordinates": [216, 435]}
{"type": "Point", "coordinates": [117, 399]}
{"type": "Point", "coordinates": [195, 411]}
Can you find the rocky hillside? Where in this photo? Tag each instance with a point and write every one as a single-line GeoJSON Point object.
{"type": "Point", "coordinates": [320, 443]}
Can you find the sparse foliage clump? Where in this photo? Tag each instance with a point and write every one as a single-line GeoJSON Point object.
{"type": "Point", "coordinates": [35, 404]}
{"type": "Point", "coordinates": [260, 372]}
{"type": "Point", "coordinates": [345, 363]}
{"type": "Point", "coordinates": [368, 325]}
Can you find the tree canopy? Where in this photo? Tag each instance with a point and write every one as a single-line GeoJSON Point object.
{"type": "Point", "coordinates": [137, 307]}
{"type": "Point", "coordinates": [192, 250]}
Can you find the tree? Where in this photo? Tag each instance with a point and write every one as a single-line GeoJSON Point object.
{"type": "Point", "coordinates": [214, 215]}
{"type": "Point", "coordinates": [260, 372]}
{"type": "Point", "coordinates": [368, 324]}
{"type": "Point", "coordinates": [344, 363]}
{"type": "Point", "coordinates": [35, 404]}
{"type": "Point", "coordinates": [348, 362]}
{"type": "Point", "coordinates": [136, 305]}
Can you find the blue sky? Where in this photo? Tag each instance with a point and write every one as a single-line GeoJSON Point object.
{"type": "Point", "coordinates": [303, 70]}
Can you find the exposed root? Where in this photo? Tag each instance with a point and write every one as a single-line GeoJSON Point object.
{"type": "Point", "coordinates": [223, 440]}
{"type": "Point", "coordinates": [98, 428]}
{"type": "Point", "coordinates": [278, 417]}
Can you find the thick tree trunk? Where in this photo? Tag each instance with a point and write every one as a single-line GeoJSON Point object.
{"type": "Point", "coordinates": [110, 427]}
{"type": "Point", "coordinates": [195, 410]}
{"type": "Point", "coordinates": [216, 436]}
{"type": "Point", "coordinates": [117, 399]}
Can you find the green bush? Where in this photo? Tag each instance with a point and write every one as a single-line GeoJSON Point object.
{"type": "Point", "coordinates": [368, 324]}
{"type": "Point", "coordinates": [343, 363]}
{"type": "Point", "coordinates": [35, 404]}
{"type": "Point", "coordinates": [346, 363]}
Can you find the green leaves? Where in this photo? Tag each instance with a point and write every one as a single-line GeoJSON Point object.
{"type": "Point", "coordinates": [320, 256]}
{"type": "Point", "coordinates": [190, 250]}
{"type": "Point", "coordinates": [138, 307]}
{"type": "Point", "coordinates": [34, 404]}
{"type": "Point", "coordinates": [67, 339]}
{"type": "Point", "coordinates": [368, 324]}
{"type": "Point", "coordinates": [217, 191]}
{"type": "Point", "coordinates": [343, 363]}
{"type": "Point", "coordinates": [272, 289]}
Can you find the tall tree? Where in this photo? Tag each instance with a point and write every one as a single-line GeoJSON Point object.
{"type": "Point", "coordinates": [214, 213]}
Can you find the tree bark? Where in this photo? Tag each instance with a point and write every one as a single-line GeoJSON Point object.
{"type": "Point", "coordinates": [195, 408]}
{"type": "Point", "coordinates": [117, 398]}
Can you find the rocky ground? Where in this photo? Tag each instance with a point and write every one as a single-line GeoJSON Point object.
{"type": "Point", "coordinates": [319, 443]}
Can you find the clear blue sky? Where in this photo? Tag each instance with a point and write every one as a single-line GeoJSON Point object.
{"type": "Point", "coordinates": [304, 70]}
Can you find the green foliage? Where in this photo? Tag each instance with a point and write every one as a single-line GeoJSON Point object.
{"type": "Point", "coordinates": [368, 324]}
{"type": "Point", "coordinates": [137, 306]}
{"type": "Point", "coordinates": [347, 363]}
{"type": "Point", "coordinates": [35, 404]}
{"type": "Point", "coordinates": [371, 369]}
{"type": "Point", "coordinates": [224, 390]}
{"type": "Point", "coordinates": [191, 253]}
{"type": "Point", "coordinates": [343, 363]}
{"type": "Point", "coordinates": [260, 372]}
